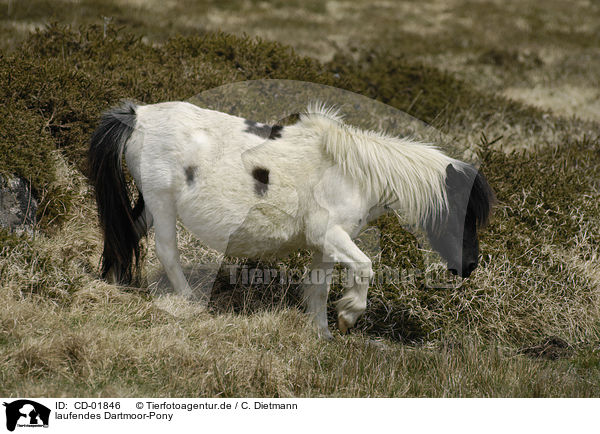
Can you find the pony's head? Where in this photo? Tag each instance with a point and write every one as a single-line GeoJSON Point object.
{"type": "Point", "coordinates": [454, 237]}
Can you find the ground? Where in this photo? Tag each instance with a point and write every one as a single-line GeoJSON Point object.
{"type": "Point", "coordinates": [513, 83]}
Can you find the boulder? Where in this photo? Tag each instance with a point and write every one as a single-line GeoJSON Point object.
{"type": "Point", "coordinates": [18, 206]}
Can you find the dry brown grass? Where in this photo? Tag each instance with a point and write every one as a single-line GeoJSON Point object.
{"type": "Point", "coordinates": [110, 343]}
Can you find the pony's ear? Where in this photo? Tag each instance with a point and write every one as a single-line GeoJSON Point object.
{"type": "Point", "coordinates": [450, 170]}
{"type": "Point", "coordinates": [453, 177]}
{"type": "Point", "coordinates": [455, 181]}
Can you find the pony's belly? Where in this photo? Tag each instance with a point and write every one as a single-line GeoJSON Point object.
{"type": "Point", "coordinates": [244, 243]}
{"type": "Point", "coordinates": [258, 231]}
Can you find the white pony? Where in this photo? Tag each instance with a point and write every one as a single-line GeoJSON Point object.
{"type": "Point", "coordinates": [250, 189]}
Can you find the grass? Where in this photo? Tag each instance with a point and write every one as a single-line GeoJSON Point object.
{"type": "Point", "coordinates": [543, 56]}
{"type": "Point", "coordinates": [546, 56]}
{"type": "Point", "coordinates": [113, 343]}
{"type": "Point", "coordinates": [526, 324]}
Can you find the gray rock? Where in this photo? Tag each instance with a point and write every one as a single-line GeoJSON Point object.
{"type": "Point", "coordinates": [18, 207]}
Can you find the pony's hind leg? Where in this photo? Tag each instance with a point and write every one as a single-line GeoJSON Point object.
{"type": "Point", "coordinates": [315, 291]}
{"type": "Point", "coordinates": [341, 248]}
{"type": "Point", "coordinates": [164, 217]}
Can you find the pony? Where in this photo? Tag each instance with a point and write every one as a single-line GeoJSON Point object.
{"type": "Point", "coordinates": [253, 190]}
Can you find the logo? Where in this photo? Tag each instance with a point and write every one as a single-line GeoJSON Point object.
{"type": "Point", "coordinates": [26, 413]}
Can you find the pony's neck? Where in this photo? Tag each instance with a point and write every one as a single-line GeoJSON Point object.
{"type": "Point", "coordinates": [409, 174]}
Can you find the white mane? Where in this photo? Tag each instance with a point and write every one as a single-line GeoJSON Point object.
{"type": "Point", "coordinates": [389, 168]}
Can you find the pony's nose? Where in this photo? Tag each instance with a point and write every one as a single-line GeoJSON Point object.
{"type": "Point", "coordinates": [468, 269]}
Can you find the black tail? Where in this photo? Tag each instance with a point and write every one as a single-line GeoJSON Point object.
{"type": "Point", "coordinates": [117, 217]}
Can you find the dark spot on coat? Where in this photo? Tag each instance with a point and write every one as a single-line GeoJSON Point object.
{"type": "Point", "coordinates": [261, 177]}
{"type": "Point", "coordinates": [275, 132]}
{"type": "Point", "coordinates": [190, 172]}
{"type": "Point", "coordinates": [263, 130]}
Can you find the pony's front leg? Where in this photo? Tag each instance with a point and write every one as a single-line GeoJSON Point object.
{"type": "Point", "coordinates": [315, 292]}
{"type": "Point", "coordinates": [341, 248]}
{"type": "Point", "coordinates": [165, 231]}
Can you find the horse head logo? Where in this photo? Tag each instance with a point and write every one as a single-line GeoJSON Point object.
{"type": "Point", "coordinates": [27, 412]}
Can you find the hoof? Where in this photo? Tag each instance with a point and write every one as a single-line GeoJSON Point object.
{"type": "Point", "coordinates": [343, 324]}
{"type": "Point", "coordinates": [322, 330]}
{"type": "Point", "coordinates": [325, 335]}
